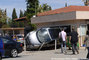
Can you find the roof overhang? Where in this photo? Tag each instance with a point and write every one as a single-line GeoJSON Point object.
{"type": "Point", "coordinates": [74, 15]}
{"type": "Point", "coordinates": [12, 28]}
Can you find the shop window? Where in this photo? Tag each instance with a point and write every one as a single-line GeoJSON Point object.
{"type": "Point", "coordinates": [83, 30]}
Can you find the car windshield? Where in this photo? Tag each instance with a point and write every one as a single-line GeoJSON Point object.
{"type": "Point", "coordinates": [43, 36]}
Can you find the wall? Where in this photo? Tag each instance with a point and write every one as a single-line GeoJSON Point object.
{"type": "Point", "coordinates": [55, 17]}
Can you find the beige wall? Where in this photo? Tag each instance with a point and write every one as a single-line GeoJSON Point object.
{"type": "Point", "coordinates": [82, 14]}
{"type": "Point", "coordinates": [75, 15]}
{"type": "Point", "coordinates": [55, 17]}
{"type": "Point", "coordinates": [59, 23]}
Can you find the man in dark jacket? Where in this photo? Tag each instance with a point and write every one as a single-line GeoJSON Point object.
{"type": "Point", "coordinates": [74, 41]}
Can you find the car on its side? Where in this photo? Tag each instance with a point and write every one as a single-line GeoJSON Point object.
{"type": "Point", "coordinates": [35, 39]}
{"type": "Point", "coordinates": [10, 47]}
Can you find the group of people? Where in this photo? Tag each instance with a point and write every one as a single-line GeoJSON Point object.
{"type": "Point", "coordinates": [73, 39]}
{"type": "Point", "coordinates": [86, 42]}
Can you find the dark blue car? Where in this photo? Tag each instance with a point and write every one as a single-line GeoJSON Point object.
{"type": "Point", "coordinates": [1, 49]}
{"type": "Point", "coordinates": [9, 47]}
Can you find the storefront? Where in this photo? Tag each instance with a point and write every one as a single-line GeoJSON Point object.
{"type": "Point", "coordinates": [13, 31]}
{"type": "Point", "coordinates": [71, 16]}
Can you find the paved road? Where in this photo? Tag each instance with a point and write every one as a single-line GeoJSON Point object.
{"type": "Point", "coordinates": [49, 55]}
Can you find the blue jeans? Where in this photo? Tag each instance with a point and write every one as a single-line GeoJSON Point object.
{"type": "Point", "coordinates": [88, 52]}
{"type": "Point", "coordinates": [63, 44]}
{"type": "Point", "coordinates": [74, 47]}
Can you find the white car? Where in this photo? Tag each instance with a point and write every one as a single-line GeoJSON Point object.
{"type": "Point", "coordinates": [20, 38]}
{"type": "Point", "coordinates": [36, 39]}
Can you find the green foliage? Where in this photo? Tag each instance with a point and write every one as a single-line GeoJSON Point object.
{"type": "Point", "coordinates": [21, 24]}
{"type": "Point", "coordinates": [25, 13]}
{"type": "Point", "coordinates": [5, 26]}
{"type": "Point", "coordinates": [14, 15]}
{"type": "Point", "coordinates": [32, 9]}
{"type": "Point", "coordinates": [33, 25]}
{"type": "Point", "coordinates": [21, 14]}
{"type": "Point", "coordinates": [3, 17]}
{"type": "Point", "coordinates": [32, 6]}
{"type": "Point", "coordinates": [44, 8]}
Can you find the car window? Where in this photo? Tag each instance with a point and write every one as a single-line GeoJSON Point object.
{"type": "Point", "coordinates": [20, 36]}
{"type": "Point", "coordinates": [43, 36]}
{"type": "Point", "coordinates": [54, 32]}
{"type": "Point", "coordinates": [6, 40]}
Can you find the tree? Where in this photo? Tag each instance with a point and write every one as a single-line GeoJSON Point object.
{"type": "Point", "coordinates": [3, 17]}
{"type": "Point", "coordinates": [32, 9]}
{"type": "Point", "coordinates": [44, 8]}
{"type": "Point", "coordinates": [25, 13]}
{"type": "Point", "coordinates": [86, 2]}
{"type": "Point", "coordinates": [32, 6]}
{"type": "Point", "coordinates": [14, 15]}
{"type": "Point", "coordinates": [21, 14]}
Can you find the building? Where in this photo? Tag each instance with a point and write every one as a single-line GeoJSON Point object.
{"type": "Point", "coordinates": [71, 16]}
{"type": "Point", "coordinates": [22, 20]}
{"type": "Point", "coordinates": [12, 31]}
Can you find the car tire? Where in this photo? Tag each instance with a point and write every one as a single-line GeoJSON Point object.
{"type": "Point", "coordinates": [14, 53]}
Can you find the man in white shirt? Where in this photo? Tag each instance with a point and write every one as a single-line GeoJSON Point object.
{"type": "Point", "coordinates": [63, 36]}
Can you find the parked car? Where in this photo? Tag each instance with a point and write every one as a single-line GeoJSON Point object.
{"type": "Point", "coordinates": [20, 38]}
{"type": "Point", "coordinates": [9, 47]}
{"type": "Point", "coordinates": [35, 39]}
{"type": "Point", "coordinates": [1, 49]}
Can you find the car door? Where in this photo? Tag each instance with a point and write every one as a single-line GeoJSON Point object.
{"type": "Point", "coordinates": [8, 45]}
{"type": "Point", "coordinates": [1, 48]}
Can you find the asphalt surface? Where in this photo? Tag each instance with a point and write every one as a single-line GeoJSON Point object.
{"type": "Point", "coordinates": [50, 55]}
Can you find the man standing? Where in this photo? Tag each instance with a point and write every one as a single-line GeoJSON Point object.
{"type": "Point", "coordinates": [74, 41]}
{"type": "Point", "coordinates": [62, 35]}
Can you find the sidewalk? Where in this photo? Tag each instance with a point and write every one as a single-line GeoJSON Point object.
{"type": "Point", "coordinates": [55, 55]}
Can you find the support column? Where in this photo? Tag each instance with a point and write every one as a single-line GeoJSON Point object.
{"type": "Point", "coordinates": [55, 44]}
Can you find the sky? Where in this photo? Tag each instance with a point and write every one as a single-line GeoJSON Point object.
{"type": "Point", "coordinates": [21, 4]}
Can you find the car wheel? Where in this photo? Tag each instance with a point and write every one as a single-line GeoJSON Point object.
{"type": "Point", "coordinates": [14, 53]}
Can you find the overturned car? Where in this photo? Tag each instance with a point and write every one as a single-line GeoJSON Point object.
{"type": "Point", "coordinates": [36, 39]}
